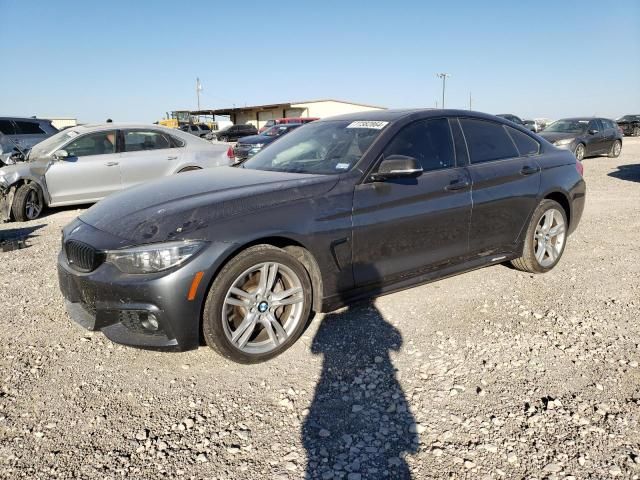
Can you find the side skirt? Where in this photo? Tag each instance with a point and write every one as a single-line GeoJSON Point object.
{"type": "Point", "coordinates": [377, 290]}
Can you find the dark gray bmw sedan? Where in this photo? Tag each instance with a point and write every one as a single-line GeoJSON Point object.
{"type": "Point", "coordinates": [338, 210]}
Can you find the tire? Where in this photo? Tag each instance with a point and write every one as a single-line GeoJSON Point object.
{"type": "Point", "coordinates": [224, 139]}
{"type": "Point", "coordinates": [579, 151]}
{"type": "Point", "coordinates": [189, 169]}
{"type": "Point", "coordinates": [636, 132]}
{"type": "Point", "coordinates": [241, 327]}
{"type": "Point", "coordinates": [537, 232]}
{"type": "Point", "coordinates": [616, 148]}
{"type": "Point", "coordinates": [28, 203]}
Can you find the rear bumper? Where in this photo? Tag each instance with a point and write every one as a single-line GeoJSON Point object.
{"type": "Point", "coordinates": [578, 198]}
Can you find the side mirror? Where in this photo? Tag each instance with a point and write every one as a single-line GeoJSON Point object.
{"type": "Point", "coordinates": [61, 155]}
{"type": "Point", "coordinates": [397, 166]}
{"type": "Point", "coordinates": [593, 131]}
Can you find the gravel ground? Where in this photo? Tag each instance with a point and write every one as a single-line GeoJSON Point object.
{"type": "Point", "coordinates": [491, 374]}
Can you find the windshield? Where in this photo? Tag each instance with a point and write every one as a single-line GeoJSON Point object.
{"type": "Point", "coordinates": [629, 118]}
{"type": "Point", "coordinates": [568, 126]}
{"type": "Point", "coordinates": [275, 131]}
{"type": "Point", "coordinates": [51, 144]}
{"type": "Point", "coordinates": [324, 147]}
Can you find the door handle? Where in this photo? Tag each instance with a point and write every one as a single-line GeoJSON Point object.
{"type": "Point", "coordinates": [173, 157]}
{"type": "Point", "coordinates": [112, 164]}
{"type": "Point", "coordinates": [458, 184]}
{"type": "Point", "coordinates": [528, 170]}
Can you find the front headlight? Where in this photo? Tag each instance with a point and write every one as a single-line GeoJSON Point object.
{"type": "Point", "coordinates": [565, 141]}
{"type": "Point", "coordinates": [153, 257]}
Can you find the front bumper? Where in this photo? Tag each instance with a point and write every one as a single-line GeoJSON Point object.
{"type": "Point", "coordinates": [121, 305]}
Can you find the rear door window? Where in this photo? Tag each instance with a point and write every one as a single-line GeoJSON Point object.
{"type": "Point", "coordinates": [428, 141]}
{"type": "Point", "coordinates": [140, 140]}
{"type": "Point", "coordinates": [525, 144]}
{"type": "Point", "coordinates": [7, 127]}
{"type": "Point", "coordinates": [487, 141]}
{"type": "Point", "coordinates": [29, 128]}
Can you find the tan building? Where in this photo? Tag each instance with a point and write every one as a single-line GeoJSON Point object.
{"type": "Point", "coordinates": [258, 115]}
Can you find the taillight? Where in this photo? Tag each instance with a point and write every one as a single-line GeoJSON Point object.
{"type": "Point", "coordinates": [580, 167]}
{"type": "Point", "coordinates": [230, 154]}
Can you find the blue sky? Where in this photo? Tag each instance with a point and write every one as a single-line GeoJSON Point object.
{"type": "Point", "coordinates": [135, 60]}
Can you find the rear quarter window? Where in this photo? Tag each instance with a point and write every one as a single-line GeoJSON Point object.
{"type": "Point", "coordinates": [526, 145]}
{"type": "Point", "coordinates": [487, 141]}
{"type": "Point", "coordinates": [28, 128]}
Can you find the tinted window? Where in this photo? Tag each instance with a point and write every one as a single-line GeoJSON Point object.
{"type": "Point", "coordinates": [594, 125]}
{"type": "Point", "coordinates": [7, 127]}
{"type": "Point", "coordinates": [487, 141]}
{"type": "Point", "coordinates": [93, 144]}
{"type": "Point", "coordinates": [428, 141]}
{"type": "Point", "coordinates": [137, 140]}
{"type": "Point", "coordinates": [462, 157]}
{"type": "Point", "coordinates": [29, 127]}
{"type": "Point", "coordinates": [526, 145]}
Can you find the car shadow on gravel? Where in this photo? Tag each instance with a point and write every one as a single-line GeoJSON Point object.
{"type": "Point", "coordinates": [359, 421]}
{"type": "Point", "coordinates": [17, 238]}
{"type": "Point", "coordinates": [630, 172]}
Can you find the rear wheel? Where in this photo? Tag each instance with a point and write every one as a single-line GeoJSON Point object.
{"type": "Point", "coordinates": [545, 240]}
{"type": "Point", "coordinates": [636, 132]}
{"type": "Point", "coordinates": [258, 305]}
{"type": "Point", "coordinates": [616, 148]}
{"type": "Point", "coordinates": [27, 203]}
{"type": "Point", "coordinates": [224, 139]}
{"type": "Point", "coordinates": [579, 152]}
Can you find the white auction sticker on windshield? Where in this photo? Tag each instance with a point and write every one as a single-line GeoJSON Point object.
{"type": "Point", "coordinates": [342, 166]}
{"type": "Point", "coordinates": [375, 125]}
{"type": "Point", "coordinates": [72, 133]}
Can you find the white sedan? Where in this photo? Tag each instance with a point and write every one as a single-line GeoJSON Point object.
{"type": "Point", "coordinates": [86, 163]}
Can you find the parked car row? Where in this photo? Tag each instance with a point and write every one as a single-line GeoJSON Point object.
{"type": "Point", "coordinates": [630, 125]}
{"type": "Point", "coordinates": [334, 211]}
{"type": "Point", "coordinates": [85, 164]}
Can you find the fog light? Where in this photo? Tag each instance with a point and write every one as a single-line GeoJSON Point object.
{"type": "Point", "coordinates": [150, 323]}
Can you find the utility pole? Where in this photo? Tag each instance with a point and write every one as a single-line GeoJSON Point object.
{"type": "Point", "coordinates": [198, 90]}
{"type": "Point", "coordinates": [444, 77]}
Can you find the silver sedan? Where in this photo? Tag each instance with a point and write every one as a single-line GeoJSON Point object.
{"type": "Point", "coordinates": [85, 164]}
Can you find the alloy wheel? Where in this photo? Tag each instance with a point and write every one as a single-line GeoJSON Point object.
{"type": "Point", "coordinates": [33, 205]}
{"type": "Point", "coordinates": [549, 237]}
{"type": "Point", "coordinates": [617, 148]}
{"type": "Point", "coordinates": [580, 151]}
{"type": "Point", "coordinates": [262, 308]}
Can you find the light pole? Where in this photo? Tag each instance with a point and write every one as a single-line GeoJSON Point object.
{"type": "Point", "coordinates": [198, 90]}
{"type": "Point", "coordinates": [444, 77]}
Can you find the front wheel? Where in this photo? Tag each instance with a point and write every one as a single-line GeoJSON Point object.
{"type": "Point", "coordinates": [616, 148]}
{"type": "Point", "coordinates": [27, 203]}
{"type": "Point", "coordinates": [579, 152]}
{"type": "Point", "coordinates": [224, 139]}
{"type": "Point", "coordinates": [636, 132]}
{"type": "Point", "coordinates": [545, 240]}
{"type": "Point", "coordinates": [258, 305]}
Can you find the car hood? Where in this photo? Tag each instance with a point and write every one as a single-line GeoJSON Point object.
{"type": "Point", "coordinates": [183, 205]}
{"type": "Point", "coordinates": [555, 136]}
{"type": "Point", "coordinates": [253, 139]}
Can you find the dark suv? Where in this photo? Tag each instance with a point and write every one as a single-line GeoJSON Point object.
{"type": "Point", "coordinates": [335, 211]}
{"type": "Point", "coordinates": [234, 132]}
{"type": "Point", "coordinates": [18, 135]}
